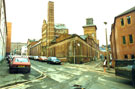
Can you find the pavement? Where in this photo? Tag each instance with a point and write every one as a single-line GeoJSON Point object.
{"type": "Point", "coordinates": [8, 79]}
{"type": "Point", "coordinates": [98, 66]}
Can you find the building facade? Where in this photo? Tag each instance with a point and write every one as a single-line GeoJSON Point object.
{"type": "Point", "coordinates": [51, 31]}
{"type": "Point", "coordinates": [24, 50]}
{"type": "Point", "coordinates": [67, 47]}
{"type": "Point", "coordinates": [3, 29]}
{"type": "Point", "coordinates": [8, 44]}
{"type": "Point", "coordinates": [123, 35]}
{"type": "Point", "coordinates": [60, 29]}
{"type": "Point", "coordinates": [16, 47]}
{"type": "Point", "coordinates": [30, 44]}
{"type": "Point", "coordinates": [74, 48]}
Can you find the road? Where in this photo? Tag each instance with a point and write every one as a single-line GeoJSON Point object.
{"type": "Point", "coordinates": [69, 76]}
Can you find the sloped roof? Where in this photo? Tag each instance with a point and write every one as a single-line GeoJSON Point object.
{"type": "Point", "coordinates": [83, 36]}
{"type": "Point", "coordinates": [127, 11]}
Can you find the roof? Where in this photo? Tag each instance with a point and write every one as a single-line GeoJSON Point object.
{"type": "Point", "coordinates": [126, 12]}
{"type": "Point", "coordinates": [89, 25]}
{"type": "Point", "coordinates": [32, 40]}
{"type": "Point", "coordinates": [102, 49]}
{"type": "Point", "coordinates": [60, 26]}
{"type": "Point", "coordinates": [83, 36]}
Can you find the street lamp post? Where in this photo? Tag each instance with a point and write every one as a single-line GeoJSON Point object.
{"type": "Point", "coordinates": [74, 51]}
{"type": "Point", "coordinates": [107, 46]}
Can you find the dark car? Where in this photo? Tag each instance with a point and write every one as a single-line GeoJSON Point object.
{"type": "Point", "coordinates": [53, 60]}
{"type": "Point", "coordinates": [20, 64]}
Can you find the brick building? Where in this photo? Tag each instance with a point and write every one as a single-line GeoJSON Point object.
{"type": "Point", "coordinates": [60, 29]}
{"type": "Point", "coordinates": [67, 47]}
{"type": "Point", "coordinates": [16, 47]}
{"type": "Point", "coordinates": [8, 44]}
{"type": "Point", "coordinates": [123, 35]}
{"type": "Point", "coordinates": [30, 44]}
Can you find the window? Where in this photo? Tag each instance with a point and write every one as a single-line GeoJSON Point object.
{"type": "Point", "coordinates": [129, 19]}
{"type": "Point", "coordinates": [126, 56]}
{"type": "Point", "coordinates": [122, 22]}
{"type": "Point", "coordinates": [130, 38]}
{"type": "Point", "coordinates": [132, 56]}
{"type": "Point", "coordinates": [93, 35]}
{"type": "Point", "coordinates": [124, 39]}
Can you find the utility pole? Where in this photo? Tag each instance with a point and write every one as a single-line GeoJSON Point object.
{"type": "Point", "coordinates": [108, 66]}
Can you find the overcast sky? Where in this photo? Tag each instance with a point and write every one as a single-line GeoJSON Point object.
{"type": "Point", "coordinates": [27, 16]}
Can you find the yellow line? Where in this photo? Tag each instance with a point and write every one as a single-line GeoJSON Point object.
{"type": "Point", "coordinates": [22, 84]}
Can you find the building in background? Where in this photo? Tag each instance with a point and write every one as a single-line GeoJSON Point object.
{"type": "Point", "coordinates": [103, 52]}
{"type": "Point", "coordinates": [60, 29]}
{"type": "Point", "coordinates": [123, 35]}
{"type": "Point", "coordinates": [3, 29]}
{"type": "Point", "coordinates": [90, 29]}
{"type": "Point", "coordinates": [51, 31]}
{"type": "Point", "coordinates": [16, 48]}
{"type": "Point", "coordinates": [57, 42]}
{"type": "Point", "coordinates": [24, 50]}
{"type": "Point", "coordinates": [8, 44]}
{"type": "Point", "coordinates": [30, 43]}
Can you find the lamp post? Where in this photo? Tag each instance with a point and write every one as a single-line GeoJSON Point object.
{"type": "Point", "coordinates": [75, 45]}
{"type": "Point", "coordinates": [107, 47]}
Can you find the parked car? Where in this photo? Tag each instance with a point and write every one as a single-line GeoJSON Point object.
{"type": "Point", "coordinates": [53, 60]}
{"type": "Point", "coordinates": [31, 57]}
{"type": "Point", "coordinates": [9, 58]}
{"type": "Point", "coordinates": [36, 57]}
{"type": "Point", "coordinates": [20, 64]}
{"type": "Point", "coordinates": [43, 58]}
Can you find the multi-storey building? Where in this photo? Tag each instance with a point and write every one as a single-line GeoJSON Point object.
{"type": "Point", "coordinates": [3, 29]}
{"type": "Point", "coordinates": [90, 28]}
{"type": "Point", "coordinates": [8, 44]}
{"type": "Point", "coordinates": [30, 44]}
{"type": "Point", "coordinates": [51, 31]}
{"type": "Point", "coordinates": [16, 47]}
{"type": "Point", "coordinates": [123, 35]}
{"type": "Point", "coordinates": [57, 42]}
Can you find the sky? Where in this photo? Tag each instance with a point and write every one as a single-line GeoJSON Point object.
{"type": "Point", "coordinates": [27, 16]}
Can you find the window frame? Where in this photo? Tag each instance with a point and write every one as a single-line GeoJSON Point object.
{"type": "Point", "coordinates": [131, 41]}
{"type": "Point", "coordinates": [124, 42]}
{"type": "Point", "coordinates": [122, 21]}
{"type": "Point", "coordinates": [125, 56]}
{"type": "Point", "coordinates": [132, 56]}
{"type": "Point", "coordinates": [129, 19]}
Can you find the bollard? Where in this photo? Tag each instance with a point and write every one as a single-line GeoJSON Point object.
{"type": "Point", "coordinates": [104, 69]}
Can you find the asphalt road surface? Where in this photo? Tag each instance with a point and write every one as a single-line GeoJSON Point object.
{"type": "Point", "coordinates": [69, 76]}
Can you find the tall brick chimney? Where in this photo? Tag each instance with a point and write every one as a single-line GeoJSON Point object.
{"type": "Point", "coordinates": [50, 27]}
